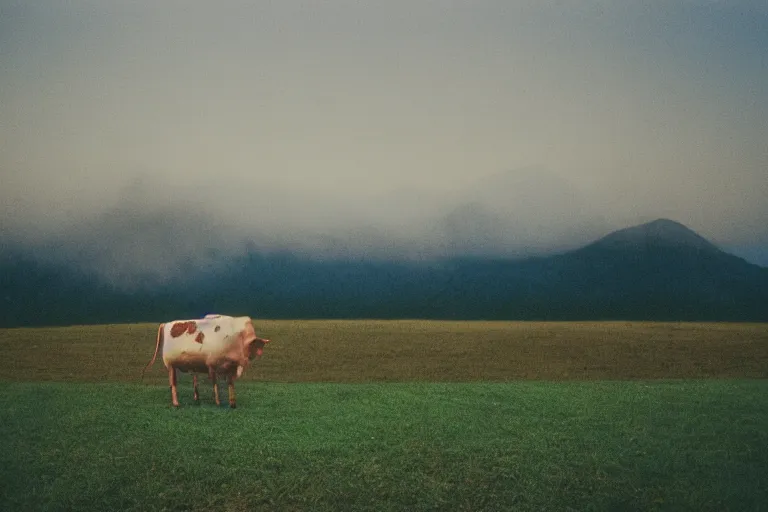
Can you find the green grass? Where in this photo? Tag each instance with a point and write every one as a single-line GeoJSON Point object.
{"type": "Point", "coordinates": [674, 445]}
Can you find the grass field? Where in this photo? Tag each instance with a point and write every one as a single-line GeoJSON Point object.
{"type": "Point", "coordinates": [399, 351]}
{"type": "Point", "coordinates": [395, 416]}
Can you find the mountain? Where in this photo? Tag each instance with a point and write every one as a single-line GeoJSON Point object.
{"type": "Point", "coordinates": [659, 233]}
{"type": "Point", "coordinates": [656, 271]}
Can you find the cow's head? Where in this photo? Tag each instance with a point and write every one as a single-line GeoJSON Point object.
{"type": "Point", "coordinates": [253, 344]}
{"type": "Point", "coordinates": [256, 348]}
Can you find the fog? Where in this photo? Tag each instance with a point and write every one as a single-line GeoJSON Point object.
{"type": "Point", "coordinates": [135, 136]}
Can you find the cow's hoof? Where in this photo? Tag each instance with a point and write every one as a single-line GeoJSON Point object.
{"type": "Point", "coordinates": [175, 406]}
{"type": "Point", "coordinates": [233, 406]}
{"type": "Point", "coordinates": [197, 402]}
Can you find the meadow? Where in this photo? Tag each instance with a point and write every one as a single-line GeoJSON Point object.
{"type": "Point", "coordinates": [402, 415]}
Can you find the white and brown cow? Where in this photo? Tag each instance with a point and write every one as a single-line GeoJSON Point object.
{"type": "Point", "coordinates": [216, 345]}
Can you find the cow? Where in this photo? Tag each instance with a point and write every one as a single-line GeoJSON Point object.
{"type": "Point", "coordinates": [216, 345]}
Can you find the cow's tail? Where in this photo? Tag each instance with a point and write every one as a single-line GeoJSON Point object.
{"type": "Point", "coordinates": [157, 349]}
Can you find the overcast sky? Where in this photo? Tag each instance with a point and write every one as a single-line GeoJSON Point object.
{"type": "Point", "coordinates": [413, 127]}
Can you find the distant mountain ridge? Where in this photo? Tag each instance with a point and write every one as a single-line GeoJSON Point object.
{"type": "Point", "coordinates": [658, 233]}
{"type": "Point", "coordinates": [656, 271]}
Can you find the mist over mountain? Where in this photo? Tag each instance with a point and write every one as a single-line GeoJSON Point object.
{"type": "Point", "coordinates": [657, 271]}
{"type": "Point", "coordinates": [152, 230]}
{"type": "Point", "coordinates": [150, 234]}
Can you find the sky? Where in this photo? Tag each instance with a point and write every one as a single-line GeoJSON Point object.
{"type": "Point", "coordinates": [386, 129]}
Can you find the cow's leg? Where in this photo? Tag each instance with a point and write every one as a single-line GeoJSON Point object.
{"type": "Point", "coordinates": [196, 393]}
{"type": "Point", "coordinates": [172, 382]}
{"type": "Point", "coordinates": [212, 376]}
{"type": "Point", "coordinates": [231, 389]}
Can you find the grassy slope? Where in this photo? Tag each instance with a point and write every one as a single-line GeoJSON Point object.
{"type": "Point", "coordinates": [696, 445]}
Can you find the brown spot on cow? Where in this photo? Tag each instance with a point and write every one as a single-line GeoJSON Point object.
{"type": "Point", "coordinates": [180, 328]}
{"type": "Point", "coordinates": [200, 336]}
{"type": "Point", "coordinates": [217, 329]}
